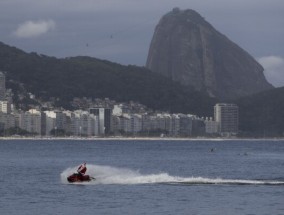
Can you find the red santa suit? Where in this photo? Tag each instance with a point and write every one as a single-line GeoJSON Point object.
{"type": "Point", "coordinates": [82, 169]}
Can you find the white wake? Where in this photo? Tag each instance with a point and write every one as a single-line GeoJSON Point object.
{"type": "Point", "coordinates": [113, 175]}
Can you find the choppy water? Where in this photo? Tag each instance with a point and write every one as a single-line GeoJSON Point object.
{"type": "Point", "coordinates": [142, 177]}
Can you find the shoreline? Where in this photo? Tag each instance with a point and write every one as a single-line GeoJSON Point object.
{"type": "Point", "coordinates": [141, 138]}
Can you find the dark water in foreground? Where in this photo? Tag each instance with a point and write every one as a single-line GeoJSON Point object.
{"type": "Point", "coordinates": [143, 177]}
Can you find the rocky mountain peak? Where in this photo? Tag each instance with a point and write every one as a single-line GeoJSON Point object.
{"type": "Point", "coordinates": [186, 48]}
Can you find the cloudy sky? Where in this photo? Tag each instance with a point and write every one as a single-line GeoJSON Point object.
{"type": "Point", "coordinates": [121, 30]}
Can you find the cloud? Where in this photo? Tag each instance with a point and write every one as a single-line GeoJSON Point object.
{"type": "Point", "coordinates": [31, 29]}
{"type": "Point", "coordinates": [247, 23]}
{"type": "Point", "coordinates": [273, 69]}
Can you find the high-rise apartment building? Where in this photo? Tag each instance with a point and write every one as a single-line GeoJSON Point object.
{"type": "Point", "coordinates": [227, 115]}
{"type": "Point", "coordinates": [104, 116]}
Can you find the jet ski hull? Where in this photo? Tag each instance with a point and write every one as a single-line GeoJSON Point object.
{"type": "Point", "coordinates": [78, 178]}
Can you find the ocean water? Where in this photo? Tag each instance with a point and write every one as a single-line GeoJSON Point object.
{"type": "Point", "coordinates": [142, 177]}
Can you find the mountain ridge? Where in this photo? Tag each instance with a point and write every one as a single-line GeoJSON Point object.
{"type": "Point", "coordinates": [188, 49]}
{"type": "Point", "coordinates": [64, 79]}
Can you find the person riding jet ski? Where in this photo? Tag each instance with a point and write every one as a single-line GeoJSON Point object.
{"type": "Point", "coordinates": [82, 169]}
{"type": "Point", "coordinates": [80, 175]}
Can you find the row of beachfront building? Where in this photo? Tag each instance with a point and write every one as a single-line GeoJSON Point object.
{"type": "Point", "coordinates": [100, 121]}
{"type": "Point", "coordinates": [117, 119]}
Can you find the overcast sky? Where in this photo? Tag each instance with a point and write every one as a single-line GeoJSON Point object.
{"type": "Point", "coordinates": [121, 30]}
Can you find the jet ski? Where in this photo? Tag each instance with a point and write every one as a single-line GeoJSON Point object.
{"type": "Point", "coordinates": [75, 177]}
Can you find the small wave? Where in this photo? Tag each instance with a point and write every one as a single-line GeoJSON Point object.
{"type": "Point", "coordinates": [113, 175]}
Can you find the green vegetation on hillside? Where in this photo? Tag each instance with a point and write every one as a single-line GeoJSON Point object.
{"type": "Point", "coordinates": [64, 79]}
{"type": "Point", "coordinates": [262, 115]}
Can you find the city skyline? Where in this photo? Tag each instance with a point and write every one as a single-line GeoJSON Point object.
{"type": "Point", "coordinates": [109, 119]}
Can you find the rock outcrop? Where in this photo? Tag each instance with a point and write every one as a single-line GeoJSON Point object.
{"type": "Point", "coordinates": [189, 50]}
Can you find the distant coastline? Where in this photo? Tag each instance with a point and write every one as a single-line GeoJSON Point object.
{"type": "Point", "coordinates": [141, 138]}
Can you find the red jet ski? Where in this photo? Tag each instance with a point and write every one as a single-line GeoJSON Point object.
{"type": "Point", "coordinates": [75, 177]}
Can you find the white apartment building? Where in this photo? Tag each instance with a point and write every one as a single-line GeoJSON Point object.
{"type": "Point", "coordinates": [172, 124]}
{"type": "Point", "coordinates": [50, 123]}
{"type": "Point", "coordinates": [125, 121]}
{"type": "Point", "coordinates": [7, 120]}
{"type": "Point", "coordinates": [93, 125]}
{"type": "Point", "coordinates": [211, 126]}
{"type": "Point", "coordinates": [30, 121]}
{"type": "Point", "coordinates": [129, 123]}
{"type": "Point", "coordinates": [69, 122]}
{"type": "Point", "coordinates": [5, 107]}
{"type": "Point", "coordinates": [85, 124]}
{"type": "Point", "coordinates": [136, 123]}
{"type": "Point", "coordinates": [175, 128]}
{"type": "Point", "coordinates": [185, 125]}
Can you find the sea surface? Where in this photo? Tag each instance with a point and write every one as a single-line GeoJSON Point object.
{"type": "Point", "coordinates": [199, 177]}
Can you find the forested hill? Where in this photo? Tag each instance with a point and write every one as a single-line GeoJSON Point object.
{"type": "Point", "coordinates": [262, 114]}
{"type": "Point", "coordinates": [67, 78]}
